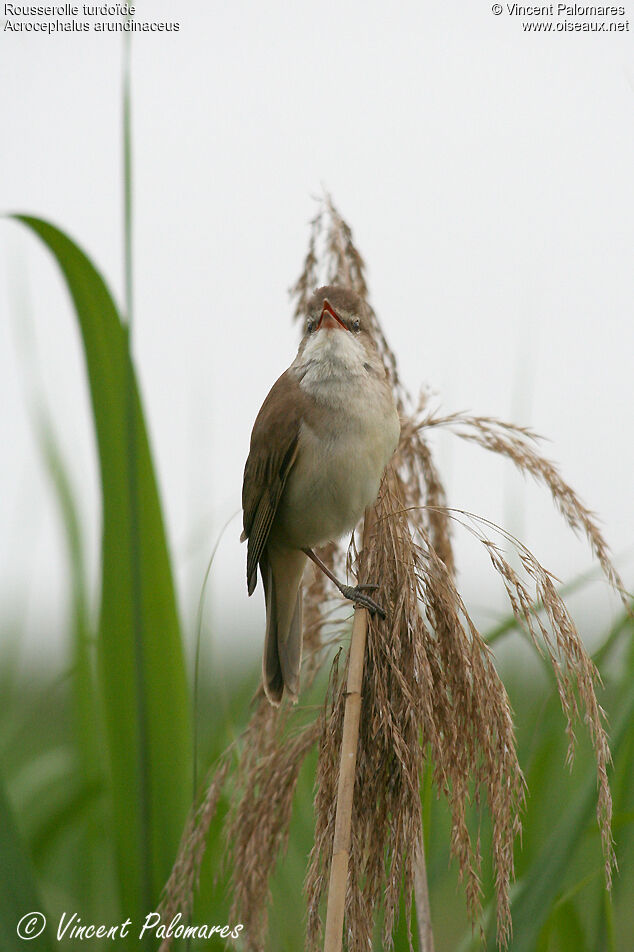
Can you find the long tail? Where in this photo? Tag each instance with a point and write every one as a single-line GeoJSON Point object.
{"type": "Point", "coordinates": [282, 572]}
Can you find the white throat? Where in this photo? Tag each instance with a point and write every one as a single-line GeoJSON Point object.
{"type": "Point", "coordinates": [331, 357]}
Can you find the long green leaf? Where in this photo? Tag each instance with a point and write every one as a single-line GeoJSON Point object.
{"type": "Point", "coordinates": [86, 713]}
{"type": "Point", "coordinates": [141, 666]}
{"type": "Point", "coordinates": [18, 893]}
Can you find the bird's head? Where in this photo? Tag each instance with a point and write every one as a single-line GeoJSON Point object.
{"type": "Point", "coordinates": [332, 308]}
{"type": "Point", "coordinates": [337, 331]}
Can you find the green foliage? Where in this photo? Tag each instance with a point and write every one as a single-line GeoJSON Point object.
{"type": "Point", "coordinates": [87, 715]}
{"type": "Point", "coordinates": [18, 892]}
{"type": "Point", "coordinates": [547, 872]}
{"type": "Point", "coordinates": [560, 902]}
{"type": "Point", "coordinates": [141, 672]}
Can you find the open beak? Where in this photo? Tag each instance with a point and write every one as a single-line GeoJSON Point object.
{"type": "Point", "coordinates": [329, 318]}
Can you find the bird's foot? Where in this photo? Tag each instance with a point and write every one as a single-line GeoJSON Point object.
{"type": "Point", "coordinates": [357, 595]}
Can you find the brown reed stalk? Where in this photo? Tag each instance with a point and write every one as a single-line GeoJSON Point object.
{"type": "Point", "coordinates": [430, 685]}
{"type": "Point", "coordinates": [347, 772]}
{"type": "Point", "coordinates": [345, 788]}
{"type": "Point", "coordinates": [421, 899]}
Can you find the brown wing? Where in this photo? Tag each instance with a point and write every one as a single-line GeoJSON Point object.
{"type": "Point", "coordinates": [273, 451]}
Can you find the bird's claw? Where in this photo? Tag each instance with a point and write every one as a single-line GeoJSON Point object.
{"type": "Point", "coordinates": [357, 595]}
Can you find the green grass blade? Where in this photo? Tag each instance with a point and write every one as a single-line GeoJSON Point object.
{"type": "Point", "coordinates": [127, 178]}
{"type": "Point", "coordinates": [141, 666]}
{"type": "Point", "coordinates": [18, 893]}
{"type": "Point", "coordinates": [568, 929]}
{"type": "Point", "coordinates": [86, 716]}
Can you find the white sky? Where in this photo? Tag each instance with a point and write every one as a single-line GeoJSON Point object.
{"type": "Point", "coordinates": [487, 176]}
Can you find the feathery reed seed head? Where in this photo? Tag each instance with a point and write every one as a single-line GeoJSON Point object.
{"type": "Point", "coordinates": [430, 690]}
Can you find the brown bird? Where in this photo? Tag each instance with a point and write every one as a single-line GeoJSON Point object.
{"type": "Point", "coordinates": [319, 447]}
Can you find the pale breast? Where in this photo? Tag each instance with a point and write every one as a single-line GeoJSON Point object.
{"type": "Point", "coordinates": [344, 446]}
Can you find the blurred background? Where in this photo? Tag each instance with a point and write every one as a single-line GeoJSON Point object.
{"type": "Point", "coordinates": [487, 176]}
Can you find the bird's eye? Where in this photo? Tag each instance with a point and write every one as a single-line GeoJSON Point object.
{"type": "Point", "coordinates": [310, 326]}
{"type": "Point", "coordinates": [356, 325]}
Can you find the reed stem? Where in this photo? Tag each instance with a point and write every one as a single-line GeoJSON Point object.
{"type": "Point", "coordinates": [347, 769]}
{"type": "Point", "coordinates": [421, 898]}
{"type": "Point", "coordinates": [345, 790]}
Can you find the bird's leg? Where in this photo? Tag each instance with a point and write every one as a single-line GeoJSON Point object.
{"type": "Point", "coordinates": [356, 593]}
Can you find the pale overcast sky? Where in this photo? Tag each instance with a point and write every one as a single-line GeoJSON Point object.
{"type": "Point", "coordinates": [486, 172]}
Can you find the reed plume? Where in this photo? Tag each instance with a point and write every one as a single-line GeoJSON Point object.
{"type": "Point", "coordinates": [431, 693]}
